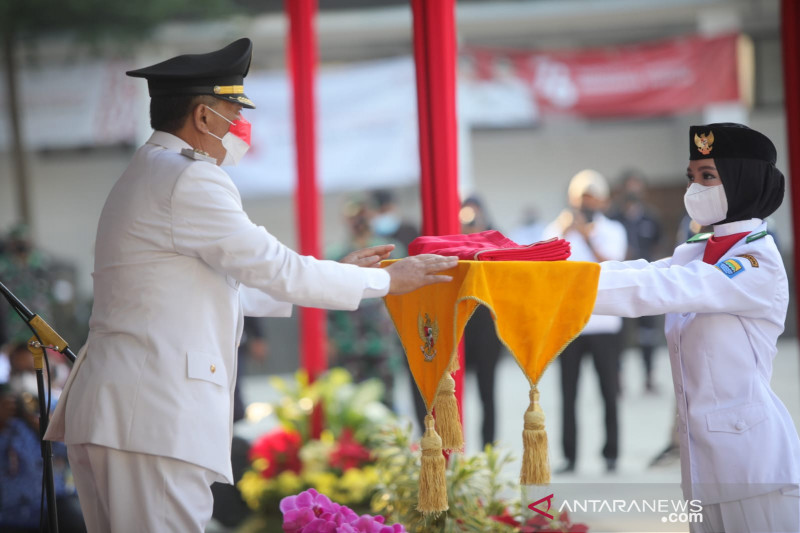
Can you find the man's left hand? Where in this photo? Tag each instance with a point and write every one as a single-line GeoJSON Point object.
{"type": "Point", "coordinates": [368, 257]}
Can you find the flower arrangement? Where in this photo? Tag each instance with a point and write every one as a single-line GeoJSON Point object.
{"type": "Point", "coordinates": [339, 464]}
{"type": "Point", "coordinates": [481, 498]}
{"type": "Point", "coordinates": [365, 460]}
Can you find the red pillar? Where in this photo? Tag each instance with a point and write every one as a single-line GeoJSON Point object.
{"type": "Point", "coordinates": [302, 49]}
{"type": "Point", "coordinates": [435, 54]}
{"type": "Point", "coordinates": [790, 26]}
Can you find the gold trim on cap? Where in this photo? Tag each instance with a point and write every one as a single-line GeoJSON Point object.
{"type": "Point", "coordinates": [228, 89]}
{"type": "Point", "coordinates": [245, 100]}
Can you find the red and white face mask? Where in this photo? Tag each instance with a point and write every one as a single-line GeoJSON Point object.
{"type": "Point", "coordinates": [236, 141]}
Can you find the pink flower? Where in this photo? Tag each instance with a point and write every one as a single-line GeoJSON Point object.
{"type": "Point", "coordinates": [312, 512]}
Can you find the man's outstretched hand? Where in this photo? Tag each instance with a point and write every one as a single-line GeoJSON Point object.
{"type": "Point", "coordinates": [417, 271]}
{"type": "Point", "coordinates": [368, 257]}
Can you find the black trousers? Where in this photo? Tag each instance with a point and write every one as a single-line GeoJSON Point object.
{"type": "Point", "coordinates": [605, 351]}
{"type": "Point", "coordinates": [482, 351]}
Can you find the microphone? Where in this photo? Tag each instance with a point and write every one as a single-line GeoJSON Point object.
{"type": "Point", "coordinates": [45, 336]}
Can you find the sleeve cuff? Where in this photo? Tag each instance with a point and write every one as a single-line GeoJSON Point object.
{"type": "Point", "coordinates": [376, 282]}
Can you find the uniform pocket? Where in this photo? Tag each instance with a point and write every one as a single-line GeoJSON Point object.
{"type": "Point", "coordinates": [205, 366]}
{"type": "Point", "coordinates": [736, 419]}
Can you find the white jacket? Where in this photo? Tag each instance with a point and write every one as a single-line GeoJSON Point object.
{"type": "Point", "coordinates": [722, 324]}
{"type": "Point", "coordinates": [177, 264]}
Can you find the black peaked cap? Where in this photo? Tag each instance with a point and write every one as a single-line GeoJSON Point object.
{"type": "Point", "coordinates": [220, 74]}
{"type": "Point", "coordinates": [730, 140]}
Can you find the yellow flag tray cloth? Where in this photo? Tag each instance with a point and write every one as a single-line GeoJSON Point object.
{"type": "Point", "coordinates": [538, 307]}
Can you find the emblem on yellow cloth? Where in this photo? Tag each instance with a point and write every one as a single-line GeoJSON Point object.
{"type": "Point", "coordinates": [704, 143]}
{"type": "Point", "coordinates": [429, 333]}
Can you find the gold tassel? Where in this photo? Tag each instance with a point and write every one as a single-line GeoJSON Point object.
{"type": "Point", "coordinates": [454, 365]}
{"type": "Point", "coordinates": [535, 464]}
{"type": "Point", "coordinates": [432, 482]}
{"type": "Point", "coordinates": [448, 422]}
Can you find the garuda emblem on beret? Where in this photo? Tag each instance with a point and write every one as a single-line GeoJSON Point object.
{"type": "Point", "coordinates": [704, 143]}
{"type": "Point", "coordinates": [429, 333]}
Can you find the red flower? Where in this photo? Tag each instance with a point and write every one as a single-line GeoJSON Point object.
{"type": "Point", "coordinates": [281, 450]}
{"type": "Point", "coordinates": [505, 518]}
{"type": "Point", "coordinates": [561, 524]}
{"type": "Point", "coordinates": [349, 453]}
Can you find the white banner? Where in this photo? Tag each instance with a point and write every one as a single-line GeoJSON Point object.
{"type": "Point", "coordinates": [366, 130]}
{"type": "Point", "coordinates": [75, 106]}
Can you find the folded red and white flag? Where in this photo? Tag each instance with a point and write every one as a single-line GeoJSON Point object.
{"type": "Point", "coordinates": [490, 245]}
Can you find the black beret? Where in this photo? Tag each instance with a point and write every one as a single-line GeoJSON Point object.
{"type": "Point", "coordinates": [730, 140]}
{"type": "Point", "coordinates": [220, 73]}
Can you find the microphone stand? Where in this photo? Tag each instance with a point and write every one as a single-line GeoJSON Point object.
{"type": "Point", "coordinates": [44, 337]}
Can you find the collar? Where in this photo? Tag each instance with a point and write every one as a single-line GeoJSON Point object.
{"type": "Point", "coordinates": [739, 226]}
{"type": "Point", "coordinates": [168, 141]}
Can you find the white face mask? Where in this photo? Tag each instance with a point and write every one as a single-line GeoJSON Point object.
{"type": "Point", "coordinates": [385, 224]}
{"type": "Point", "coordinates": [706, 205]}
{"type": "Point", "coordinates": [235, 147]}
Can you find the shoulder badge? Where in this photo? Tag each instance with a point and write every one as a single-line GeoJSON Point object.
{"type": "Point", "coordinates": [756, 236]}
{"type": "Point", "coordinates": [752, 259]}
{"type": "Point", "coordinates": [429, 333]}
{"type": "Point", "coordinates": [730, 267]}
{"type": "Point", "coordinates": [198, 155]}
{"type": "Point", "coordinates": [700, 237]}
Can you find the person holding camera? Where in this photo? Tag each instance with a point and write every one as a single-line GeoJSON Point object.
{"type": "Point", "coordinates": [596, 238]}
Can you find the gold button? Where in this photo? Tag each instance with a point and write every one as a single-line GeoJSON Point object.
{"type": "Point", "coordinates": [213, 369]}
{"type": "Point", "coordinates": [217, 89]}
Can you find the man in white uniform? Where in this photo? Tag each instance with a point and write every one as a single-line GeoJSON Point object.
{"type": "Point", "coordinates": [725, 297]}
{"type": "Point", "coordinates": [593, 237]}
{"type": "Point", "coordinates": [147, 413]}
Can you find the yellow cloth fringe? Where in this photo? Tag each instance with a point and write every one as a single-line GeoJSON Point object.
{"type": "Point", "coordinates": [432, 482]}
{"type": "Point", "coordinates": [535, 464]}
{"type": "Point", "coordinates": [538, 308]}
{"type": "Point", "coordinates": [448, 420]}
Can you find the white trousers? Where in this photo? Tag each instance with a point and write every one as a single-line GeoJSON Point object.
{"type": "Point", "coordinates": [774, 512]}
{"type": "Point", "coordinates": [127, 492]}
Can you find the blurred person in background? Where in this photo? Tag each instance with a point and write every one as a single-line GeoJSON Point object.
{"type": "Point", "coordinates": [482, 347]}
{"type": "Point", "coordinates": [21, 470]}
{"type": "Point", "coordinates": [644, 234]}
{"type": "Point", "coordinates": [596, 238]}
{"type": "Point", "coordinates": [531, 229]}
{"type": "Point", "coordinates": [363, 341]}
{"type": "Point", "coordinates": [253, 344]}
{"type": "Point", "coordinates": [26, 272]}
{"type": "Point", "coordinates": [388, 223]}
{"type": "Point", "coordinates": [725, 295]}
{"type": "Point", "coordinates": [22, 372]}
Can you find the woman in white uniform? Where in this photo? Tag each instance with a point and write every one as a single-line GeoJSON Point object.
{"type": "Point", "coordinates": [725, 296]}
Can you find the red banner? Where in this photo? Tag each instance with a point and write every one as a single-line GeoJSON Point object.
{"type": "Point", "coordinates": [656, 78]}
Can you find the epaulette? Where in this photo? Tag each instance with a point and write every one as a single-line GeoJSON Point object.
{"type": "Point", "coordinates": [756, 236]}
{"type": "Point", "coordinates": [198, 155]}
{"type": "Point", "coordinates": [700, 237]}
